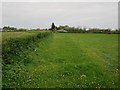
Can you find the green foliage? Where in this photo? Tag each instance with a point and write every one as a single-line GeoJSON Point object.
{"type": "Point", "coordinates": [13, 46]}
{"type": "Point", "coordinates": [9, 28]}
{"type": "Point", "coordinates": [22, 29]}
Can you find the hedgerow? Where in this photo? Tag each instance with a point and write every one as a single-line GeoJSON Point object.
{"type": "Point", "coordinates": [14, 46]}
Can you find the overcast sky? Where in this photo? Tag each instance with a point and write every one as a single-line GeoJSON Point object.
{"type": "Point", "coordinates": [42, 14]}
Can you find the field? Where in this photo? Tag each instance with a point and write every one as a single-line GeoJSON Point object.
{"type": "Point", "coordinates": [65, 60]}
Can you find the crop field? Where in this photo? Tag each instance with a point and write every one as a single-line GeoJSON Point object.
{"type": "Point", "coordinates": [60, 60]}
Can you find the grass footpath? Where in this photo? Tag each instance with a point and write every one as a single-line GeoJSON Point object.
{"type": "Point", "coordinates": [68, 60]}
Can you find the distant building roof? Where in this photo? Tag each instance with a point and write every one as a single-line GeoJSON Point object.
{"type": "Point", "coordinates": [62, 30]}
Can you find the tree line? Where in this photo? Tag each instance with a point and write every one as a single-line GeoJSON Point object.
{"type": "Point", "coordinates": [8, 28]}
{"type": "Point", "coordinates": [54, 28]}
{"type": "Point", "coordinates": [83, 30]}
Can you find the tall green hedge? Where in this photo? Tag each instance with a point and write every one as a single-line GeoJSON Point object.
{"type": "Point", "coordinates": [14, 46]}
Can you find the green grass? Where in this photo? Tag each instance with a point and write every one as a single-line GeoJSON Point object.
{"type": "Point", "coordinates": [59, 61]}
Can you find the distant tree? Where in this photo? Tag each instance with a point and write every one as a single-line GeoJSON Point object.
{"type": "Point", "coordinates": [21, 29]}
{"type": "Point", "coordinates": [84, 28]}
{"type": "Point", "coordinates": [6, 27]}
{"type": "Point", "coordinates": [38, 29]}
{"type": "Point", "coordinates": [53, 26]}
{"type": "Point", "coordinates": [13, 28]}
{"type": "Point", "coordinates": [66, 27]}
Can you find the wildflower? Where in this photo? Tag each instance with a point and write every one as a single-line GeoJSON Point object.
{"type": "Point", "coordinates": [9, 79]}
{"type": "Point", "coordinates": [29, 76]}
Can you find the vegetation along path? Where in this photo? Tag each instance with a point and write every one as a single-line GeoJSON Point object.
{"type": "Point", "coordinates": [69, 60]}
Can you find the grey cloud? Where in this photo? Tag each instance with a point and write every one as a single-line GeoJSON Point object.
{"type": "Point", "coordinates": [34, 15]}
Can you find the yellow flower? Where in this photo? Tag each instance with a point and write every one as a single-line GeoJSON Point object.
{"type": "Point", "coordinates": [29, 76]}
{"type": "Point", "coordinates": [9, 79]}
